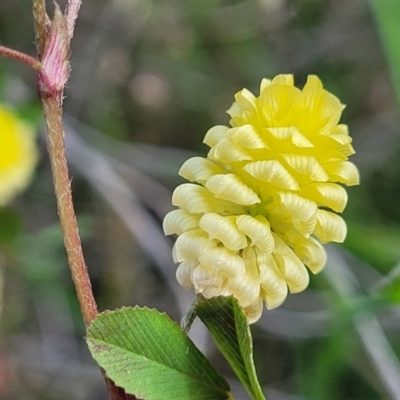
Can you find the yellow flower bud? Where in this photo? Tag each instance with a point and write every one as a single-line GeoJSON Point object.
{"type": "Point", "coordinates": [18, 155]}
{"type": "Point", "coordinates": [265, 196]}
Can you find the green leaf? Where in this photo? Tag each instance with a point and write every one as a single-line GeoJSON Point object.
{"type": "Point", "coordinates": [148, 355]}
{"type": "Point", "coordinates": [228, 326]}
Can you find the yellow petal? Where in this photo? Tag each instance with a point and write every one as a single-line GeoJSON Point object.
{"type": "Point", "coordinates": [215, 135]}
{"type": "Point", "coordinates": [299, 140]}
{"type": "Point", "coordinates": [254, 311]}
{"type": "Point", "coordinates": [249, 255]}
{"type": "Point", "coordinates": [245, 99]}
{"type": "Point", "coordinates": [281, 133]}
{"type": "Point", "coordinates": [322, 109]}
{"type": "Point", "coordinates": [223, 261]}
{"type": "Point", "coordinates": [235, 111]}
{"type": "Point", "coordinates": [214, 289]}
{"type": "Point", "coordinates": [199, 169]}
{"type": "Point", "coordinates": [303, 212]}
{"type": "Point", "coordinates": [313, 84]}
{"type": "Point", "coordinates": [258, 230]}
{"type": "Point", "coordinates": [340, 143]}
{"type": "Point", "coordinates": [330, 227]}
{"type": "Point", "coordinates": [283, 79]}
{"type": "Point", "coordinates": [310, 251]}
{"type": "Point", "coordinates": [226, 151]}
{"type": "Point", "coordinates": [289, 133]}
{"type": "Point", "coordinates": [347, 150]}
{"type": "Point", "coordinates": [264, 83]}
{"type": "Point", "coordinates": [272, 171]}
{"type": "Point", "coordinates": [305, 165]}
{"type": "Point", "coordinates": [247, 137]}
{"type": "Point", "coordinates": [273, 285]}
{"type": "Point", "coordinates": [312, 254]}
{"type": "Point", "coordinates": [294, 272]}
{"type": "Point", "coordinates": [180, 221]}
{"type": "Point", "coordinates": [192, 244]}
{"type": "Point", "coordinates": [231, 187]}
{"type": "Point", "coordinates": [330, 150]}
{"type": "Point", "coordinates": [208, 282]}
{"type": "Point", "coordinates": [292, 269]}
{"type": "Point", "coordinates": [326, 195]}
{"type": "Point", "coordinates": [245, 288]}
{"type": "Point", "coordinates": [174, 256]}
{"type": "Point", "coordinates": [18, 155]}
{"type": "Point", "coordinates": [340, 134]}
{"type": "Point", "coordinates": [193, 198]}
{"type": "Point", "coordinates": [197, 199]}
{"type": "Point", "coordinates": [279, 104]}
{"type": "Point", "coordinates": [184, 273]}
{"type": "Point", "coordinates": [344, 172]}
{"type": "Point", "coordinates": [224, 229]}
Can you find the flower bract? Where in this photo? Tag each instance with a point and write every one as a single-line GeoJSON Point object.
{"type": "Point", "coordinates": [258, 207]}
{"type": "Point", "coordinates": [18, 155]}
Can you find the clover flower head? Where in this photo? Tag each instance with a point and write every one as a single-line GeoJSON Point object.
{"type": "Point", "coordinates": [266, 196]}
{"type": "Point", "coordinates": [18, 155]}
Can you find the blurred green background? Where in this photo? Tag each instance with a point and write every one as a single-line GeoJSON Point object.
{"type": "Point", "coordinates": [149, 78]}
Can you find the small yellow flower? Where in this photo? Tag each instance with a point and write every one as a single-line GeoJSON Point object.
{"type": "Point", "coordinates": [265, 197]}
{"type": "Point", "coordinates": [18, 155]}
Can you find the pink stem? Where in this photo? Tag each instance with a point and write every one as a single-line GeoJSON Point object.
{"type": "Point", "coordinates": [17, 55]}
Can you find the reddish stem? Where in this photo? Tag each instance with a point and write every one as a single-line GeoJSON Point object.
{"type": "Point", "coordinates": [55, 39]}
{"type": "Point", "coordinates": [17, 55]}
{"type": "Point", "coordinates": [62, 187]}
{"type": "Point", "coordinates": [52, 106]}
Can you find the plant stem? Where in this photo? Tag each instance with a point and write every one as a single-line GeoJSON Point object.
{"type": "Point", "coordinates": [62, 187]}
{"type": "Point", "coordinates": [50, 36]}
{"type": "Point", "coordinates": [17, 55]}
{"type": "Point", "coordinates": [52, 107]}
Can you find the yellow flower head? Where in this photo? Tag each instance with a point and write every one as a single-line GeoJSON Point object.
{"type": "Point", "coordinates": [265, 197]}
{"type": "Point", "coordinates": [18, 155]}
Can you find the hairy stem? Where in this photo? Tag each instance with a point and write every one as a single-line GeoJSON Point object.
{"type": "Point", "coordinates": [17, 55]}
{"type": "Point", "coordinates": [52, 41]}
{"type": "Point", "coordinates": [52, 107]}
{"type": "Point", "coordinates": [62, 187]}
